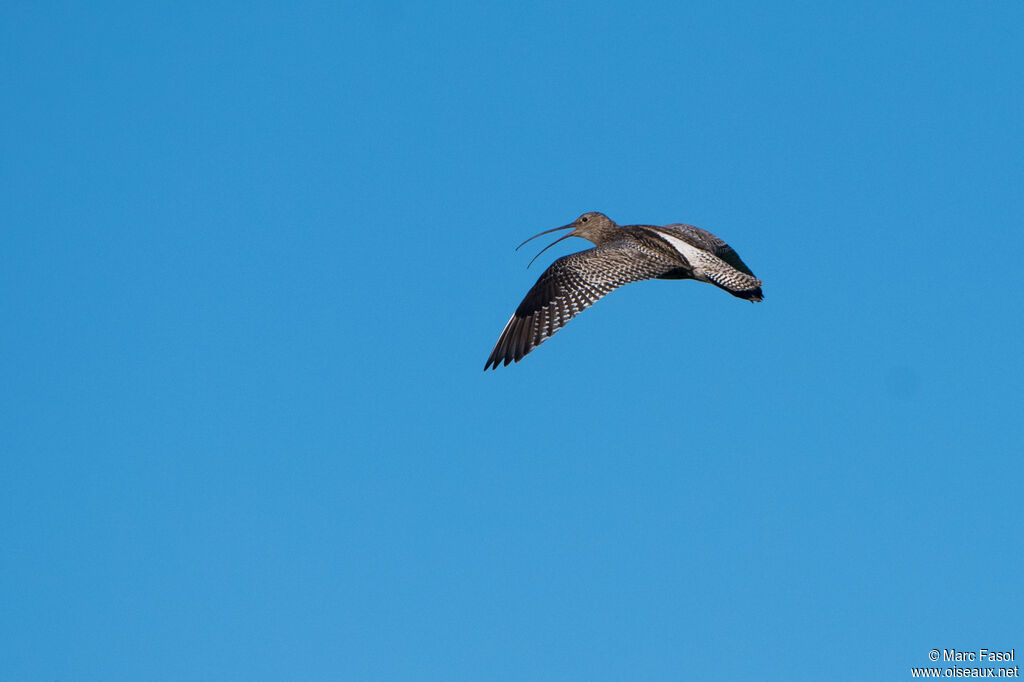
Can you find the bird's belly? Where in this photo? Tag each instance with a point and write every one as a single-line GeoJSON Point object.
{"type": "Point", "coordinates": [678, 273]}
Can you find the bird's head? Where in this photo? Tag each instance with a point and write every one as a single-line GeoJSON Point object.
{"type": "Point", "coordinates": [593, 226]}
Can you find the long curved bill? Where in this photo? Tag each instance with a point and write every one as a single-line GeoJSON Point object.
{"type": "Point", "coordinates": [539, 234]}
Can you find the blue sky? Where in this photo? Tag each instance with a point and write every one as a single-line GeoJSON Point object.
{"type": "Point", "coordinates": [256, 255]}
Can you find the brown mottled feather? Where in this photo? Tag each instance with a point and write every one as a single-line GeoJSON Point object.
{"type": "Point", "coordinates": [569, 286]}
{"type": "Point", "coordinates": [709, 242]}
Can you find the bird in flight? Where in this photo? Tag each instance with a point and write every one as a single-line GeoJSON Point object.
{"type": "Point", "coordinates": [621, 254]}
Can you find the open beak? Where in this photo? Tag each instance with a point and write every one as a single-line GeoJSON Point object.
{"type": "Point", "coordinates": [554, 229]}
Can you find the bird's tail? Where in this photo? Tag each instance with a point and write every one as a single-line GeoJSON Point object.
{"type": "Point", "coordinates": [737, 283]}
{"type": "Point", "coordinates": [753, 295]}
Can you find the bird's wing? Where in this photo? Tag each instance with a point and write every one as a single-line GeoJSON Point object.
{"type": "Point", "coordinates": [572, 284]}
{"type": "Point", "coordinates": [709, 242]}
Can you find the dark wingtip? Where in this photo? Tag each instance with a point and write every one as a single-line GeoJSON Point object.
{"type": "Point", "coordinates": [753, 295]}
{"type": "Point", "coordinates": [511, 346]}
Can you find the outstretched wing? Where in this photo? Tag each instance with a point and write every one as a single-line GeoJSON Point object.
{"type": "Point", "coordinates": [572, 284]}
{"type": "Point", "coordinates": [709, 242]}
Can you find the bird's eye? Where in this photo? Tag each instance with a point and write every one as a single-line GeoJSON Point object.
{"type": "Point", "coordinates": [584, 219]}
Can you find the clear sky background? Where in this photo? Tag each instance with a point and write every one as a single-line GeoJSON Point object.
{"type": "Point", "coordinates": [255, 256]}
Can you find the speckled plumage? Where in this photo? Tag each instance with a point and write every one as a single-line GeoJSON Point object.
{"type": "Point", "coordinates": [622, 254]}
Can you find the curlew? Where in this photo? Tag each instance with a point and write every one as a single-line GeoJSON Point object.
{"type": "Point", "coordinates": [621, 254]}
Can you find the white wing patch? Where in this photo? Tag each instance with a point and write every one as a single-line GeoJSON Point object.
{"type": "Point", "coordinates": [694, 256]}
